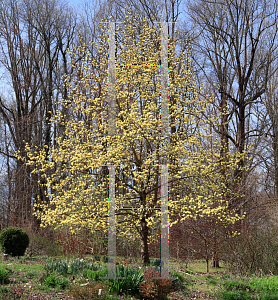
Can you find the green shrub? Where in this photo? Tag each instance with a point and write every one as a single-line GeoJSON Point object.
{"type": "Point", "coordinates": [105, 259]}
{"type": "Point", "coordinates": [156, 263]}
{"type": "Point", "coordinates": [97, 257]}
{"type": "Point", "coordinates": [55, 281]}
{"type": "Point", "coordinates": [4, 276]}
{"type": "Point", "coordinates": [14, 241]}
{"type": "Point", "coordinates": [96, 267]}
{"type": "Point", "coordinates": [179, 281]}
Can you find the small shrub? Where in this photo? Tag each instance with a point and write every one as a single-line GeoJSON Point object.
{"type": "Point", "coordinates": [14, 241]}
{"type": "Point", "coordinates": [4, 276]}
{"type": "Point", "coordinates": [154, 287]}
{"type": "Point", "coordinates": [89, 291]}
{"type": "Point", "coordinates": [55, 281]}
{"type": "Point", "coordinates": [96, 267]}
{"type": "Point", "coordinates": [97, 257]}
{"type": "Point", "coordinates": [105, 259]}
{"type": "Point", "coordinates": [179, 281]}
{"type": "Point", "coordinates": [156, 263]}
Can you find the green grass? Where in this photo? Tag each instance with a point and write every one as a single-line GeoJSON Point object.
{"type": "Point", "coordinates": [265, 288]}
{"type": "Point", "coordinates": [4, 275]}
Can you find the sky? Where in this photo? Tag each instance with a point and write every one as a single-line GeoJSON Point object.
{"type": "Point", "coordinates": [75, 3]}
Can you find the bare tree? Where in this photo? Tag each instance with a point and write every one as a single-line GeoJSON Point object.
{"type": "Point", "coordinates": [237, 46]}
{"type": "Point", "coordinates": [34, 38]}
{"type": "Point", "coordinates": [269, 154]}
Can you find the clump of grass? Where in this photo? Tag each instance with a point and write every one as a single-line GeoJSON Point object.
{"type": "Point", "coordinates": [97, 257]}
{"type": "Point", "coordinates": [4, 276]}
{"type": "Point", "coordinates": [212, 281]}
{"type": "Point", "coordinates": [95, 275]}
{"type": "Point", "coordinates": [269, 296]}
{"type": "Point", "coordinates": [243, 288]}
{"type": "Point", "coordinates": [156, 262]}
{"type": "Point", "coordinates": [32, 274]}
{"type": "Point", "coordinates": [234, 295]}
{"type": "Point", "coordinates": [239, 285]}
{"type": "Point", "coordinates": [4, 289]}
{"type": "Point", "coordinates": [269, 283]}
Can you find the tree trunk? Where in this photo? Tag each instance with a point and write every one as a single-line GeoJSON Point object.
{"type": "Point", "coordinates": [144, 241]}
{"type": "Point", "coordinates": [275, 152]}
{"type": "Point", "coordinates": [207, 261]}
{"type": "Point", "coordinates": [215, 261]}
{"type": "Point", "coordinates": [224, 128]}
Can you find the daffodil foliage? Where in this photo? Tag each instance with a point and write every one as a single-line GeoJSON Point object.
{"type": "Point", "coordinates": [76, 173]}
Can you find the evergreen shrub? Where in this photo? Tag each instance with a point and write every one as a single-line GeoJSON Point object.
{"type": "Point", "coordinates": [14, 241]}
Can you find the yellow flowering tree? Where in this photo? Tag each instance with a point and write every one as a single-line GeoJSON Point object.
{"type": "Point", "coordinates": [76, 171]}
